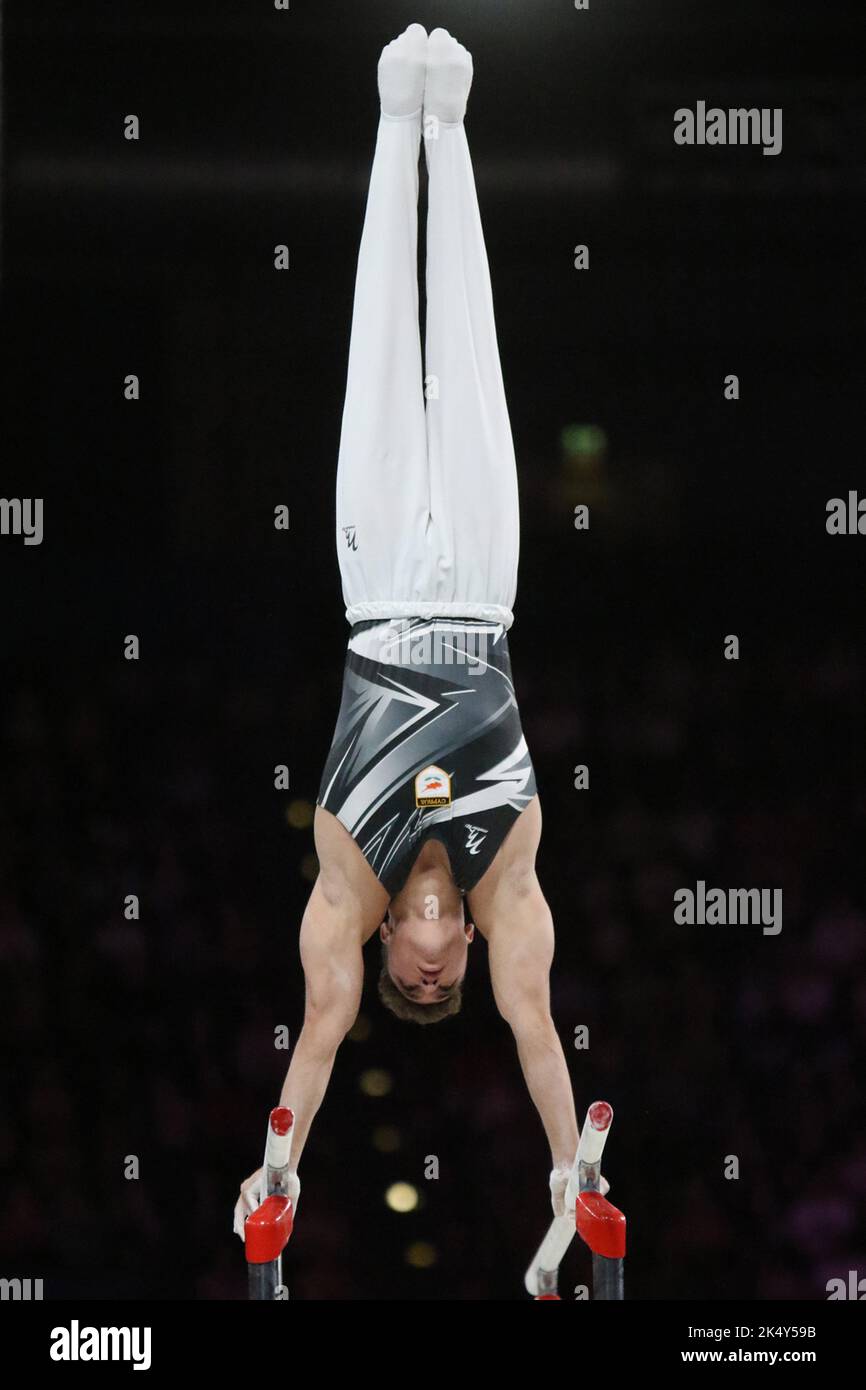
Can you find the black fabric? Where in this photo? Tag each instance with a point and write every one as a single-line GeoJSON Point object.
{"type": "Point", "coordinates": [418, 694]}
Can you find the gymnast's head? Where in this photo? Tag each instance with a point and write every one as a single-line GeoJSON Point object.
{"type": "Point", "coordinates": [425, 945]}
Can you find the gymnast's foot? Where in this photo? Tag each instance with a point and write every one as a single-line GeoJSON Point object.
{"type": "Point", "coordinates": [402, 69]}
{"type": "Point", "coordinates": [449, 77]}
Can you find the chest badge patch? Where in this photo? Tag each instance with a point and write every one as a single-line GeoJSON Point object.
{"type": "Point", "coordinates": [432, 787]}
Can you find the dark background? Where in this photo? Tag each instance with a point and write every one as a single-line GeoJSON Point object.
{"type": "Point", "coordinates": [707, 518]}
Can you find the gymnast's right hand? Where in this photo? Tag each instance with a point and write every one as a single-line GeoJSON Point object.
{"type": "Point", "coordinates": [558, 1184]}
{"type": "Point", "coordinates": [251, 1197]}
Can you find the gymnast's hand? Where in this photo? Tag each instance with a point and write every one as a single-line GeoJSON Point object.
{"type": "Point", "coordinates": [251, 1197]}
{"type": "Point", "coordinates": [558, 1184]}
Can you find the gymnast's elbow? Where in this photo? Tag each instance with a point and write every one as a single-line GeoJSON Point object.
{"type": "Point", "coordinates": [527, 1013]}
{"type": "Point", "coordinates": [325, 1028]}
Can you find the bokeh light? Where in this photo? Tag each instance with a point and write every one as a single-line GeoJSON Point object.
{"type": "Point", "coordinates": [402, 1197]}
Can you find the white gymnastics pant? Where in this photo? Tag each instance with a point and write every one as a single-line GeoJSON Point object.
{"type": "Point", "coordinates": [427, 514]}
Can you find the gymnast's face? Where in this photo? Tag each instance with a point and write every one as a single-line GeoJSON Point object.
{"type": "Point", "coordinates": [426, 955]}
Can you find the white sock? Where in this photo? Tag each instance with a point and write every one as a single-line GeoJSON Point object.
{"type": "Point", "coordinates": [402, 73]}
{"type": "Point", "coordinates": [449, 77]}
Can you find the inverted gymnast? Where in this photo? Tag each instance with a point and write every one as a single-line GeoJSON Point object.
{"type": "Point", "coordinates": [428, 819]}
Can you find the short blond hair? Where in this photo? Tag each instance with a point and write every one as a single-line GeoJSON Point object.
{"type": "Point", "coordinates": [407, 1009]}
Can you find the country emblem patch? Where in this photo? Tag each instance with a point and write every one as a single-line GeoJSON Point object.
{"type": "Point", "coordinates": [432, 787]}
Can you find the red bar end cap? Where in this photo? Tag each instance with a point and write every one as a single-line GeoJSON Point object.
{"type": "Point", "coordinates": [600, 1114]}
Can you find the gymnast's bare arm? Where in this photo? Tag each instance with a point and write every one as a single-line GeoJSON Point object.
{"type": "Point", "coordinates": [510, 911]}
{"type": "Point", "coordinates": [347, 905]}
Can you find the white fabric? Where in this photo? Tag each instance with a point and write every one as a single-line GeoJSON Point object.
{"type": "Point", "coordinates": [448, 78]}
{"type": "Point", "coordinates": [402, 72]}
{"type": "Point", "coordinates": [427, 509]}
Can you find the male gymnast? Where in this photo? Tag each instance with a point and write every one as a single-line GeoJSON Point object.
{"type": "Point", "coordinates": [428, 819]}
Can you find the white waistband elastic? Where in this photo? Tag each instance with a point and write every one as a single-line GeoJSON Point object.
{"type": "Point", "coordinates": [407, 608]}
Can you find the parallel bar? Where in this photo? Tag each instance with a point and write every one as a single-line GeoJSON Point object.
{"type": "Point", "coordinates": [267, 1229]}
{"type": "Point", "coordinates": [600, 1225]}
{"type": "Point", "coordinates": [607, 1279]}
